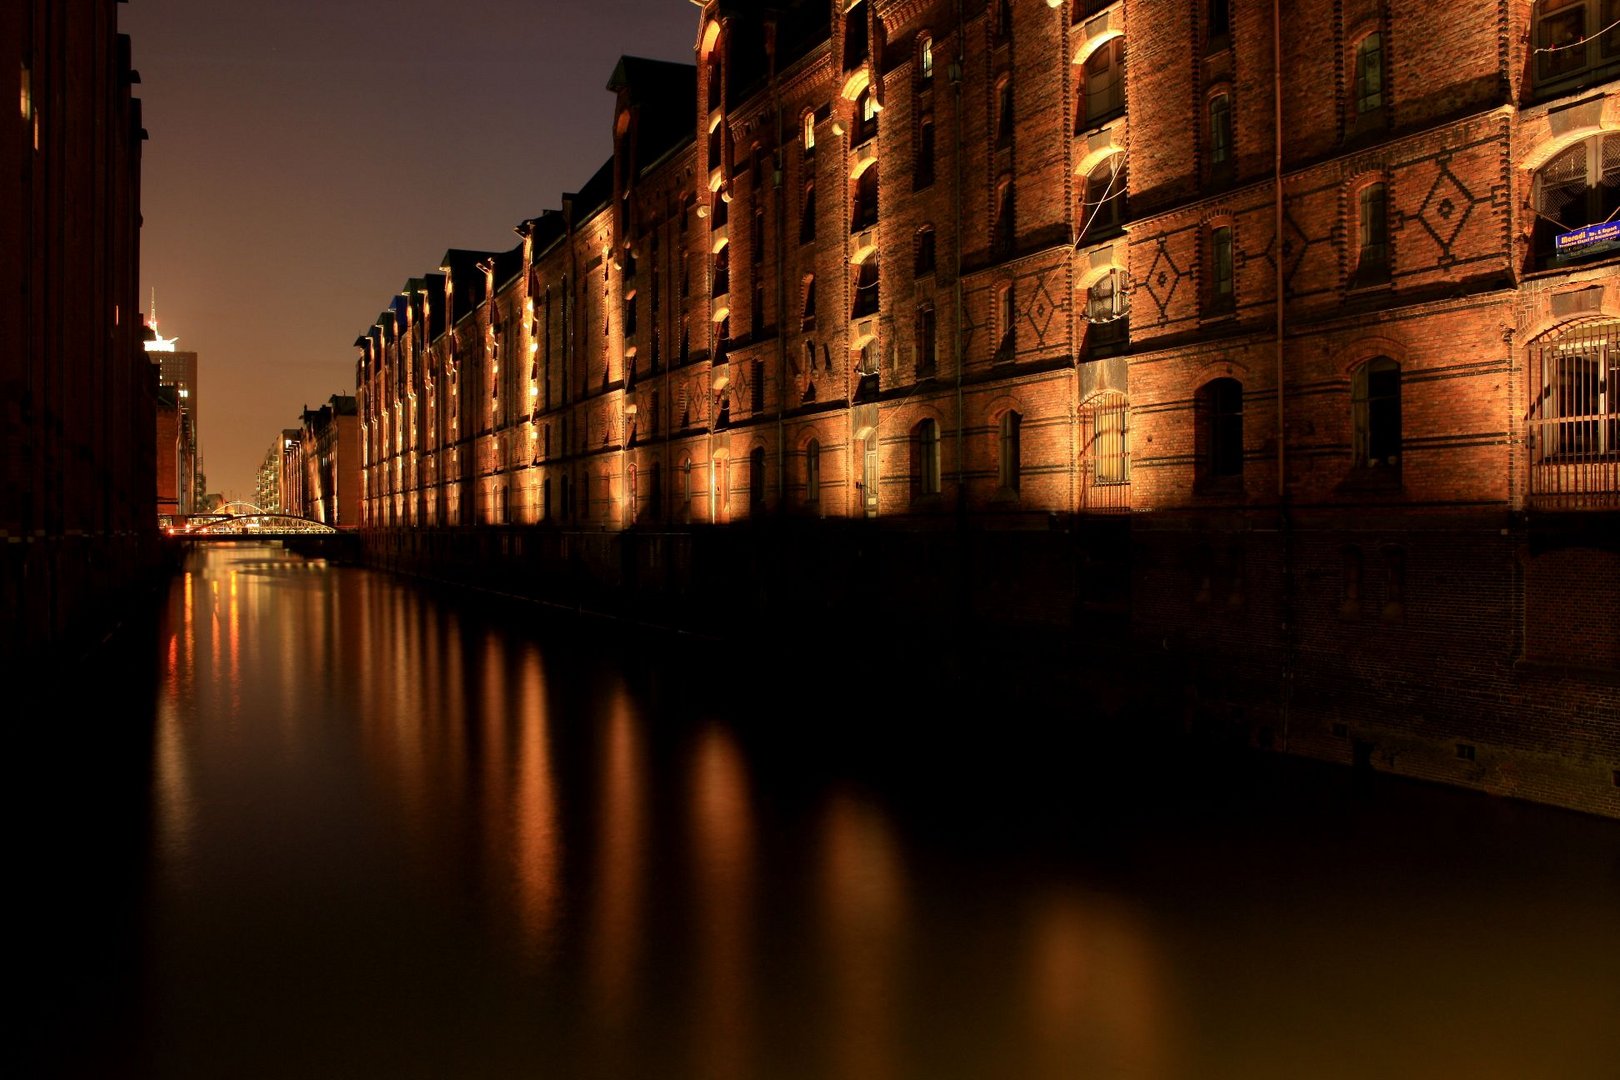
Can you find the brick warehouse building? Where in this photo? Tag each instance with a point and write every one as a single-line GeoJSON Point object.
{"type": "Point", "coordinates": [1011, 268]}
{"type": "Point", "coordinates": [78, 397]}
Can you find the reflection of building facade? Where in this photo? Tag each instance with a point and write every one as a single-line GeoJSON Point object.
{"type": "Point", "coordinates": [872, 261]}
{"type": "Point", "coordinates": [77, 415]}
{"type": "Point", "coordinates": [330, 445]}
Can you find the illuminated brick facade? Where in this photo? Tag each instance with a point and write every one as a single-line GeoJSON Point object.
{"type": "Point", "coordinates": [1018, 262]}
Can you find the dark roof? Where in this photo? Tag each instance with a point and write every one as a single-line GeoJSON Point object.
{"type": "Point", "coordinates": [508, 265]}
{"type": "Point", "coordinates": [662, 94]}
{"type": "Point", "coordinates": [596, 193]}
{"type": "Point", "coordinates": [466, 280]}
{"type": "Point", "coordinates": [343, 404]}
{"type": "Point", "coordinates": [546, 229]}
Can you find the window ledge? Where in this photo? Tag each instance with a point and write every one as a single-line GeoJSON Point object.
{"type": "Point", "coordinates": [1358, 287]}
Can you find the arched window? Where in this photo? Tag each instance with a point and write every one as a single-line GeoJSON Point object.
{"type": "Point", "coordinates": [923, 251]}
{"type": "Point", "coordinates": [1372, 220]}
{"type": "Point", "coordinates": [925, 59]}
{"type": "Point", "coordinates": [924, 459]}
{"type": "Point", "coordinates": [812, 472]}
{"type": "Point", "coordinates": [1010, 460]}
{"type": "Point", "coordinates": [807, 213]}
{"type": "Point", "coordinates": [864, 212]}
{"type": "Point", "coordinates": [866, 118]}
{"type": "Point", "coordinates": [1370, 74]}
{"type": "Point", "coordinates": [1580, 186]}
{"type": "Point", "coordinates": [922, 173]}
{"type": "Point", "coordinates": [866, 288]}
{"type": "Point", "coordinates": [807, 133]}
{"type": "Point", "coordinates": [1219, 429]}
{"type": "Point", "coordinates": [1104, 209]}
{"type": "Point", "coordinates": [722, 272]}
{"type": "Point", "coordinates": [1376, 416]}
{"type": "Point", "coordinates": [1103, 84]}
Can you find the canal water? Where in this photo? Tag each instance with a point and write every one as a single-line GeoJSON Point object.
{"type": "Point", "coordinates": [321, 822]}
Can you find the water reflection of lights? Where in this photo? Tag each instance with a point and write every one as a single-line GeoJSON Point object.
{"type": "Point", "coordinates": [723, 851]}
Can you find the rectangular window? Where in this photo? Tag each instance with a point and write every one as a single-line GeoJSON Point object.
{"type": "Point", "coordinates": [1372, 264]}
{"type": "Point", "coordinates": [1221, 298]}
{"type": "Point", "coordinates": [925, 342]}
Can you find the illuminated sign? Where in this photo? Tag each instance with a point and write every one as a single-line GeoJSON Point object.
{"type": "Point", "coordinates": [1605, 233]}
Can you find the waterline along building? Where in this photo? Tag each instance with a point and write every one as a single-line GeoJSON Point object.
{"type": "Point", "coordinates": [1273, 345]}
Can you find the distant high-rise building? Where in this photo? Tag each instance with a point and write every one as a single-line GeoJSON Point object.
{"type": "Point", "coordinates": [178, 369]}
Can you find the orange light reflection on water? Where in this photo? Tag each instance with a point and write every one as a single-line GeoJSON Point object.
{"type": "Point", "coordinates": [620, 852]}
{"type": "Point", "coordinates": [863, 890]}
{"type": "Point", "coordinates": [723, 850]}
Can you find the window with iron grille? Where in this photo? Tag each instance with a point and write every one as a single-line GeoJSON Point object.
{"type": "Point", "coordinates": [1579, 186]}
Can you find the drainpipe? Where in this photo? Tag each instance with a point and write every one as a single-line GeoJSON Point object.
{"type": "Point", "coordinates": [780, 218]}
{"type": "Point", "coordinates": [1282, 440]}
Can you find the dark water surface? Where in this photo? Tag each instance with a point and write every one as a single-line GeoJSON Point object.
{"type": "Point", "coordinates": [351, 828]}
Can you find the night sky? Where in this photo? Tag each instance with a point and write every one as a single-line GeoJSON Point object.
{"type": "Point", "coordinates": [309, 156]}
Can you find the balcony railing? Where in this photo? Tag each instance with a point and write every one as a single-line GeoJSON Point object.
{"type": "Point", "coordinates": [1575, 461]}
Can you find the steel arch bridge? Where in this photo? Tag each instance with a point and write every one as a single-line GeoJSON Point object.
{"type": "Point", "coordinates": [260, 525]}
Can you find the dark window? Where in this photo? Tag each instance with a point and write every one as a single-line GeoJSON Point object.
{"type": "Point", "coordinates": [924, 459]}
{"type": "Point", "coordinates": [808, 321]}
{"type": "Point", "coordinates": [1376, 409]}
{"type": "Point", "coordinates": [1004, 113]}
{"type": "Point", "coordinates": [756, 314]}
{"type": "Point", "coordinates": [719, 210]}
{"type": "Point", "coordinates": [812, 472]}
{"type": "Point", "coordinates": [924, 260]}
{"type": "Point", "coordinates": [855, 36]}
{"type": "Point", "coordinates": [866, 288]}
{"type": "Point", "coordinates": [1003, 20]}
{"type": "Point", "coordinates": [925, 341]}
{"type": "Point", "coordinates": [1370, 74]}
{"type": "Point", "coordinates": [807, 214]}
{"type": "Point", "coordinates": [1006, 323]}
{"type": "Point", "coordinates": [923, 167]}
{"type": "Point", "coordinates": [1372, 262]}
{"type": "Point", "coordinates": [1220, 416]}
{"type": "Point", "coordinates": [864, 213]}
{"type": "Point", "coordinates": [756, 240]}
{"type": "Point", "coordinates": [1575, 42]}
{"type": "Point", "coordinates": [756, 478]}
{"type": "Point", "coordinates": [1002, 238]}
{"type": "Point", "coordinates": [630, 316]}
{"type": "Point", "coordinates": [756, 388]}
{"type": "Point", "coordinates": [1010, 463]}
{"type": "Point", "coordinates": [1220, 22]}
{"type": "Point", "coordinates": [1220, 134]}
{"type": "Point", "coordinates": [1103, 93]}
{"type": "Point", "coordinates": [1221, 297]}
